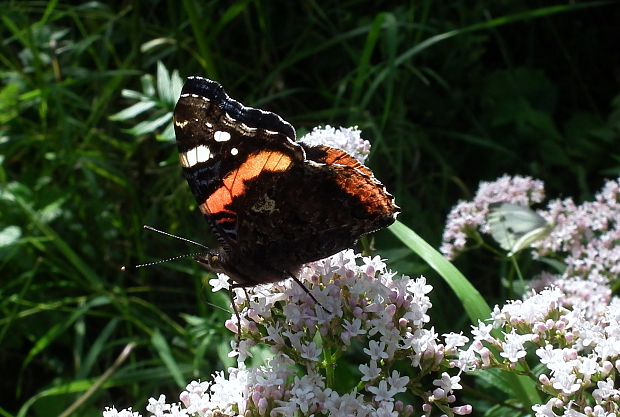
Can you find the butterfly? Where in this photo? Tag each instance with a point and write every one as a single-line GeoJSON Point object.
{"type": "Point", "coordinates": [273, 203]}
{"type": "Point", "coordinates": [515, 227]}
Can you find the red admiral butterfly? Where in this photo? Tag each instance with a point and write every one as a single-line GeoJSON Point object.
{"type": "Point", "coordinates": [273, 203]}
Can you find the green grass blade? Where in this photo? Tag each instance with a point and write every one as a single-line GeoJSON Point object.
{"type": "Point", "coordinates": [60, 328]}
{"type": "Point", "coordinates": [62, 246]}
{"type": "Point", "coordinates": [163, 349]}
{"type": "Point", "coordinates": [475, 306]}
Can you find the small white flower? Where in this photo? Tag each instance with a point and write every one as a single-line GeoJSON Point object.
{"type": "Point", "coordinates": [398, 383]}
{"type": "Point", "coordinates": [112, 412]}
{"type": "Point", "coordinates": [310, 352]}
{"type": "Point", "coordinates": [545, 410]}
{"type": "Point", "coordinates": [158, 407]}
{"type": "Point", "coordinates": [370, 371]}
{"type": "Point", "coordinates": [221, 282]}
{"type": "Point", "coordinates": [448, 383]}
{"type": "Point", "coordinates": [386, 409]}
{"type": "Point", "coordinates": [351, 329]}
{"type": "Point", "coordinates": [566, 382]}
{"type": "Point", "coordinates": [605, 390]}
{"type": "Point", "coordinates": [382, 393]}
{"type": "Point", "coordinates": [372, 265]}
{"type": "Point", "coordinates": [454, 340]}
{"type": "Point", "coordinates": [376, 350]}
{"type": "Point", "coordinates": [418, 287]}
{"type": "Point", "coordinates": [483, 332]}
{"type": "Point", "coordinates": [513, 348]}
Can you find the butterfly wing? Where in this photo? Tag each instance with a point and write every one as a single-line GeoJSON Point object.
{"type": "Point", "coordinates": [272, 206]}
{"type": "Point", "coordinates": [223, 145]}
{"type": "Point", "coordinates": [515, 227]}
{"type": "Point", "coordinates": [314, 211]}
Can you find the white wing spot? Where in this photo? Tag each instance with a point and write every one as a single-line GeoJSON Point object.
{"type": "Point", "coordinates": [180, 123]}
{"type": "Point", "coordinates": [234, 151]}
{"type": "Point", "coordinates": [192, 157]}
{"type": "Point", "coordinates": [221, 136]}
{"type": "Point", "coordinates": [248, 128]}
{"type": "Point", "coordinates": [203, 153]}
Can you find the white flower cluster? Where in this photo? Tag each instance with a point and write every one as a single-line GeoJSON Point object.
{"type": "Point", "coordinates": [365, 311]}
{"type": "Point", "coordinates": [346, 138]}
{"type": "Point", "coordinates": [581, 356]}
{"type": "Point", "coordinates": [569, 324]}
{"type": "Point", "coordinates": [582, 237]}
{"type": "Point", "coordinates": [586, 238]}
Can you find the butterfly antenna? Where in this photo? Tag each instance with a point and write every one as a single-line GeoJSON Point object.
{"type": "Point", "coordinates": [161, 261]}
{"type": "Point", "coordinates": [152, 229]}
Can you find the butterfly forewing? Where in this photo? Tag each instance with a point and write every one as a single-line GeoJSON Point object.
{"type": "Point", "coordinates": [213, 138]}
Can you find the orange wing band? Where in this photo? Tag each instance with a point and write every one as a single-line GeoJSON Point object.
{"type": "Point", "coordinates": [234, 183]}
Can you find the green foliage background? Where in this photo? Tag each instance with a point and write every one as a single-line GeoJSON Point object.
{"type": "Point", "coordinates": [449, 94]}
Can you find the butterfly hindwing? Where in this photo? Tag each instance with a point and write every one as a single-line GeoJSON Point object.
{"type": "Point", "coordinates": [300, 216]}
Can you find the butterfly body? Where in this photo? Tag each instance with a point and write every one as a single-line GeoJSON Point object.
{"type": "Point", "coordinates": [273, 203]}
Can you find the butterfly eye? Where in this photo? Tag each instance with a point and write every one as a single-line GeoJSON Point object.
{"type": "Point", "coordinates": [214, 261]}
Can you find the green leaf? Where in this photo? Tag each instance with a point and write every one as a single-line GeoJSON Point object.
{"type": "Point", "coordinates": [10, 235]}
{"type": "Point", "coordinates": [164, 88]}
{"type": "Point", "coordinates": [167, 135]}
{"type": "Point", "coordinates": [149, 126]}
{"type": "Point", "coordinates": [133, 110]}
{"type": "Point", "coordinates": [176, 83]}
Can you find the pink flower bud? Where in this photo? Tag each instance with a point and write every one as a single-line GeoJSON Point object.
{"type": "Point", "coordinates": [485, 356]}
{"type": "Point", "coordinates": [184, 397]}
{"type": "Point", "coordinates": [262, 406]}
{"type": "Point", "coordinates": [540, 328]}
{"type": "Point", "coordinates": [232, 326]}
{"type": "Point", "coordinates": [252, 314]}
{"type": "Point", "coordinates": [462, 410]}
{"type": "Point", "coordinates": [390, 310]}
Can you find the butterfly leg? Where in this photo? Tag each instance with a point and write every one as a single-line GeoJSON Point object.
{"type": "Point", "coordinates": [307, 291]}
